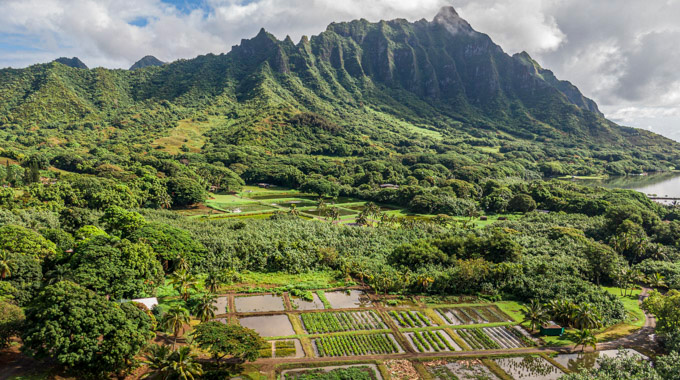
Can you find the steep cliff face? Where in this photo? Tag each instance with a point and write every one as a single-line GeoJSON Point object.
{"type": "Point", "coordinates": [440, 72]}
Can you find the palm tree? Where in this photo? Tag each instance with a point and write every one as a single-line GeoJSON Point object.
{"type": "Point", "coordinates": [587, 317]}
{"type": "Point", "coordinates": [174, 319]}
{"type": "Point", "coordinates": [165, 363]}
{"type": "Point", "coordinates": [212, 282]}
{"type": "Point", "coordinates": [182, 264]}
{"type": "Point", "coordinates": [535, 314]}
{"type": "Point", "coordinates": [333, 214]}
{"type": "Point", "coordinates": [425, 281]}
{"type": "Point", "coordinates": [585, 338]}
{"type": "Point", "coordinates": [157, 358]}
{"type": "Point", "coordinates": [205, 308]}
{"type": "Point", "coordinates": [657, 281]}
{"type": "Point", "coordinates": [7, 265]}
{"type": "Point", "coordinates": [183, 364]}
{"type": "Point", "coordinates": [183, 282]}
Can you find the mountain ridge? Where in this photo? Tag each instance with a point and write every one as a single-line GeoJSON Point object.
{"type": "Point", "coordinates": [383, 80]}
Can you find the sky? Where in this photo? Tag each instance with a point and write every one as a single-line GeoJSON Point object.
{"type": "Point", "coordinates": [625, 54]}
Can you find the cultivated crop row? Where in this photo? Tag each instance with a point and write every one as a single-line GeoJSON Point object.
{"type": "Point", "coordinates": [341, 321]}
{"type": "Point", "coordinates": [477, 339]}
{"type": "Point", "coordinates": [349, 345]}
{"type": "Point", "coordinates": [505, 337]}
{"type": "Point", "coordinates": [429, 341]}
{"type": "Point", "coordinates": [472, 315]}
{"type": "Point", "coordinates": [285, 348]}
{"type": "Point", "coordinates": [410, 319]}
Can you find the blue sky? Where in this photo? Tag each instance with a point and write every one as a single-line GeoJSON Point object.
{"type": "Point", "coordinates": [622, 53]}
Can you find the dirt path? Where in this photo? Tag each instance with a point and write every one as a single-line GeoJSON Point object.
{"type": "Point", "coordinates": [644, 337]}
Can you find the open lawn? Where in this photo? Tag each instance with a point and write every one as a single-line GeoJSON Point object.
{"type": "Point", "coordinates": [188, 133]}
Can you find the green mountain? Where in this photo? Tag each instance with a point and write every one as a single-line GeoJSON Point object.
{"type": "Point", "coordinates": [74, 62]}
{"type": "Point", "coordinates": [357, 90]}
{"type": "Point", "coordinates": [147, 61]}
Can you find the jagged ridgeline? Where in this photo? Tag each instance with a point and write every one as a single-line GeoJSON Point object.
{"type": "Point", "coordinates": [358, 88]}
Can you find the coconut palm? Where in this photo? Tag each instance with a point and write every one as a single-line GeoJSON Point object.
{"type": "Point", "coordinates": [587, 317]}
{"type": "Point", "coordinates": [585, 338]}
{"type": "Point", "coordinates": [657, 281]}
{"type": "Point", "coordinates": [183, 364]}
{"type": "Point", "coordinates": [535, 314]}
{"type": "Point", "coordinates": [205, 308]}
{"type": "Point", "coordinates": [157, 358]}
{"type": "Point", "coordinates": [183, 282]}
{"type": "Point", "coordinates": [174, 319]}
{"type": "Point", "coordinates": [7, 265]}
{"type": "Point", "coordinates": [213, 282]}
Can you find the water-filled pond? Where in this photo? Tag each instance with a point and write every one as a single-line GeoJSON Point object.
{"type": "Point", "coordinates": [269, 325]}
{"type": "Point", "coordinates": [300, 304]}
{"type": "Point", "coordinates": [267, 302]}
{"type": "Point", "coordinates": [529, 368]}
{"type": "Point", "coordinates": [222, 305]}
{"type": "Point", "coordinates": [588, 360]}
{"type": "Point", "coordinates": [348, 300]}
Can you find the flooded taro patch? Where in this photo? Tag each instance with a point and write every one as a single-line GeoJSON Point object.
{"type": "Point", "coordinates": [300, 304]}
{"type": "Point", "coordinates": [347, 300]}
{"type": "Point", "coordinates": [269, 325]}
{"type": "Point", "coordinates": [472, 369]}
{"type": "Point", "coordinates": [589, 360]}
{"type": "Point", "coordinates": [222, 305]}
{"type": "Point", "coordinates": [267, 302]}
{"type": "Point", "coordinates": [472, 315]}
{"type": "Point", "coordinates": [529, 368]}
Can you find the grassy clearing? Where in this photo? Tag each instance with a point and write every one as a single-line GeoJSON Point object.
{"type": "Point", "coordinates": [326, 279]}
{"type": "Point", "coordinates": [512, 308]}
{"type": "Point", "coordinates": [187, 133]}
{"type": "Point", "coordinates": [488, 149]}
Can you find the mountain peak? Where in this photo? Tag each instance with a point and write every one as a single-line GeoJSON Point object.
{"type": "Point", "coordinates": [74, 62]}
{"type": "Point", "coordinates": [449, 18]}
{"type": "Point", "coordinates": [147, 61]}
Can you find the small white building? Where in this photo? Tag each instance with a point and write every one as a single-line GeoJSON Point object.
{"type": "Point", "coordinates": [148, 302]}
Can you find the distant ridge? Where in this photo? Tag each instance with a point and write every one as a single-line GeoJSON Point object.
{"type": "Point", "coordinates": [74, 62]}
{"type": "Point", "coordinates": [147, 61]}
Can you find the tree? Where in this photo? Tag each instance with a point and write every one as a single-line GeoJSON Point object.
{"type": "Point", "coordinates": [174, 320]}
{"type": "Point", "coordinates": [11, 321]}
{"type": "Point", "coordinates": [185, 191]}
{"type": "Point", "coordinates": [118, 268]}
{"type": "Point", "coordinates": [165, 363]}
{"type": "Point", "coordinates": [656, 280]}
{"type": "Point", "coordinates": [7, 264]}
{"type": "Point", "coordinates": [83, 331]}
{"type": "Point", "coordinates": [584, 338]}
{"type": "Point", "coordinates": [183, 282]}
{"type": "Point", "coordinates": [322, 187]}
{"type": "Point", "coordinates": [666, 309]}
{"type": "Point", "coordinates": [623, 366]}
{"type": "Point", "coordinates": [121, 222]}
{"type": "Point", "coordinates": [535, 314]}
{"type": "Point", "coordinates": [21, 240]}
{"type": "Point", "coordinates": [213, 282]}
{"type": "Point", "coordinates": [169, 243]}
{"type": "Point", "coordinates": [205, 308]}
{"type": "Point", "coordinates": [522, 203]}
{"type": "Point", "coordinates": [221, 340]}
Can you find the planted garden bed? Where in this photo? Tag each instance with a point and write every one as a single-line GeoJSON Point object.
{"type": "Point", "coordinates": [489, 338]}
{"type": "Point", "coordinates": [431, 341]}
{"type": "Point", "coordinates": [472, 369]}
{"type": "Point", "coordinates": [529, 368]}
{"type": "Point", "coordinates": [356, 345]}
{"type": "Point", "coordinates": [472, 315]}
{"type": "Point", "coordinates": [354, 372]}
{"type": "Point", "coordinates": [410, 319]}
{"type": "Point", "coordinates": [341, 321]}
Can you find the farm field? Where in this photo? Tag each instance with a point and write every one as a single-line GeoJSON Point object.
{"type": "Point", "coordinates": [431, 341]}
{"type": "Point", "coordinates": [356, 345]}
{"type": "Point", "coordinates": [472, 315]}
{"type": "Point", "coordinates": [341, 321]}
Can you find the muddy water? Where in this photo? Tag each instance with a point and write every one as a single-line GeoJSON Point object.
{"type": "Point", "coordinates": [222, 305]}
{"type": "Point", "coordinates": [472, 369]}
{"type": "Point", "coordinates": [588, 360]}
{"type": "Point", "coordinates": [301, 304]}
{"type": "Point", "coordinates": [269, 325]}
{"type": "Point", "coordinates": [343, 300]}
{"type": "Point", "coordinates": [529, 368]}
{"type": "Point", "coordinates": [259, 303]}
